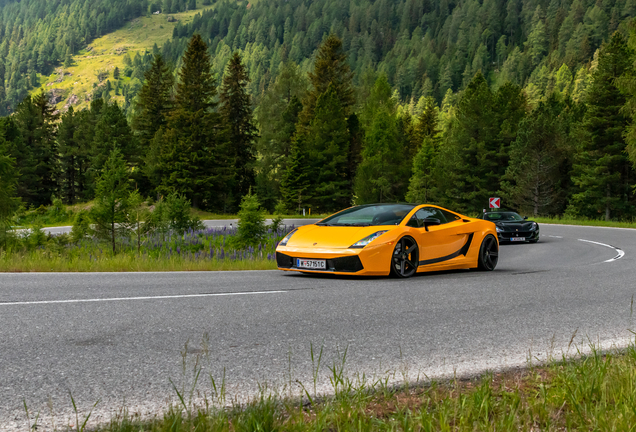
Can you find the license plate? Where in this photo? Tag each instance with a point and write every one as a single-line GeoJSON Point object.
{"type": "Point", "coordinates": [311, 264]}
{"type": "Point", "coordinates": [517, 239]}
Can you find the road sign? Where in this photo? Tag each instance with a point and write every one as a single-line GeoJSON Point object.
{"type": "Point", "coordinates": [494, 202]}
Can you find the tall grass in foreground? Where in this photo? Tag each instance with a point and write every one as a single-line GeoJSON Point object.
{"type": "Point", "coordinates": [595, 392]}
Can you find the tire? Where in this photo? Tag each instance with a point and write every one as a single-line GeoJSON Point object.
{"type": "Point", "coordinates": [488, 254]}
{"type": "Point", "coordinates": [405, 258]}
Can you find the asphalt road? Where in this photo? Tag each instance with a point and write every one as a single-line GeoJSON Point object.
{"type": "Point", "coordinates": [210, 223]}
{"type": "Point", "coordinates": [118, 338]}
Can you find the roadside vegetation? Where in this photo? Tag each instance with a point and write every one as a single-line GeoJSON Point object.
{"type": "Point", "coordinates": [594, 392]}
{"type": "Point", "coordinates": [122, 232]}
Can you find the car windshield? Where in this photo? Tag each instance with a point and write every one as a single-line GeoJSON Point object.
{"type": "Point", "coordinates": [502, 216]}
{"type": "Point", "coordinates": [368, 215]}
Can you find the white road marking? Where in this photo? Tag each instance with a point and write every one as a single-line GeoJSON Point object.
{"type": "Point", "coordinates": [555, 236]}
{"type": "Point", "coordinates": [620, 252]}
{"type": "Point", "coordinates": [136, 298]}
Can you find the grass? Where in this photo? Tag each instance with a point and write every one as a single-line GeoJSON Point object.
{"type": "Point", "coordinates": [195, 250]}
{"type": "Point", "coordinates": [593, 392]}
{"type": "Point", "coordinates": [584, 222]}
{"type": "Point", "coordinates": [42, 261]}
{"type": "Point", "coordinates": [107, 52]}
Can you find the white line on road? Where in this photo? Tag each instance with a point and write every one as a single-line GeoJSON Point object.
{"type": "Point", "coordinates": [555, 236]}
{"type": "Point", "coordinates": [136, 298]}
{"type": "Point", "coordinates": [620, 252]}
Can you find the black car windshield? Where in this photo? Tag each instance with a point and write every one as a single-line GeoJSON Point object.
{"type": "Point", "coordinates": [502, 216]}
{"type": "Point", "coordinates": [368, 215]}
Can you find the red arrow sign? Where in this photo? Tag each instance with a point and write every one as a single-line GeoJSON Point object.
{"type": "Point", "coordinates": [494, 202]}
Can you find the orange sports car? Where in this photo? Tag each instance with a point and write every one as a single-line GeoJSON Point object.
{"type": "Point", "coordinates": [383, 239]}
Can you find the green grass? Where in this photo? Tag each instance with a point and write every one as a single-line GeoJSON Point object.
{"type": "Point", "coordinates": [594, 392]}
{"type": "Point", "coordinates": [138, 35]}
{"type": "Point", "coordinates": [48, 261]}
{"type": "Point", "coordinates": [583, 222]}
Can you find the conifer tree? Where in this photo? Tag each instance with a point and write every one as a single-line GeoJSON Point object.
{"type": "Point", "coordinates": [194, 158]}
{"type": "Point", "coordinates": [238, 119]}
{"type": "Point", "coordinates": [533, 178]}
{"type": "Point", "coordinates": [73, 162]}
{"type": "Point", "coordinates": [602, 171]}
{"type": "Point", "coordinates": [110, 211]}
{"type": "Point", "coordinates": [330, 68]}
{"type": "Point", "coordinates": [154, 102]}
{"type": "Point", "coordinates": [278, 116]}
{"type": "Point", "coordinates": [35, 119]}
{"type": "Point", "coordinates": [9, 202]}
{"type": "Point", "coordinates": [327, 146]}
{"type": "Point", "coordinates": [296, 179]}
{"type": "Point", "coordinates": [421, 185]}
{"type": "Point", "coordinates": [112, 130]}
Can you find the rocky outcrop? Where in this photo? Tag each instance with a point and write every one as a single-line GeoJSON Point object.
{"type": "Point", "coordinates": [56, 96]}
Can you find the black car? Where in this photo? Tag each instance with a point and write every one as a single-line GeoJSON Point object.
{"type": "Point", "coordinates": [513, 228]}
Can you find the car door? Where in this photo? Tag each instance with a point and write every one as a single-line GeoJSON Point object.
{"type": "Point", "coordinates": [436, 243]}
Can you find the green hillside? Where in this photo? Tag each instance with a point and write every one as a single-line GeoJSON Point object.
{"type": "Point", "coordinates": [75, 84]}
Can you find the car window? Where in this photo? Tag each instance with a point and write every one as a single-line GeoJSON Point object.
{"type": "Point", "coordinates": [450, 217]}
{"type": "Point", "coordinates": [417, 221]}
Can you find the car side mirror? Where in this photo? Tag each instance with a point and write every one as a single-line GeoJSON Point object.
{"type": "Point", "coordinates": [430, 221]}
{"type": "Point", "coordinates": [525, 218]}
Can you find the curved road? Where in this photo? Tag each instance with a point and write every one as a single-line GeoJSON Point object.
{"type": "Point", "coordinates": [118, 338]}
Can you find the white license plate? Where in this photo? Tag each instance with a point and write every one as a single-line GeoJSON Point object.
{"type": "Point", "coordinates": [311, 264]}
{"type": "Point", "coordinates": [517, 239]}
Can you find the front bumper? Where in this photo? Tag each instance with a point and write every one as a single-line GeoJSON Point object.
{"type": "Point", "coordinates": [369, 261]}
{"type": "Point", "coordinates": [506, 237]}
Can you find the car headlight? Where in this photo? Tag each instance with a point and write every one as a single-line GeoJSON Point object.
{"type": "Point", "coordinates": [285, 239]}
{"type": "Point", "coordinates": [499, 229]}
{"type": "Point", "coordinates": [534, 226]}
{"type": "Point", "coordinates": [368, 239]}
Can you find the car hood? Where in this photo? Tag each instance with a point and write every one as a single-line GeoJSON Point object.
{"type": "Point", "coordinates": [333, 237]}
{"type": "Point", "coordinates": [515, 226]}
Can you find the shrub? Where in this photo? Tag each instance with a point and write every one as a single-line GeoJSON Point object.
{"type": "Point", "coordinates": [179, 215]}
{"type": "Point", "coordinates": [251, 224]}
{"type": "Point", "coordinates": [81, 226]}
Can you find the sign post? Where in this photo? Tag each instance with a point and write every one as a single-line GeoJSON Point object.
{"type": "Point", "coordinates": [494, 203]}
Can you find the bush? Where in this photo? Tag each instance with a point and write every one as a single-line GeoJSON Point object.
{"type": "Point", "coordinates": [251, 224]}
{"type": "Point", "coordinates": [277, 220]}
{"type": "Point", "coordinates": [81, 226]}
{"type": "Point", "coordinates": [179, 215]}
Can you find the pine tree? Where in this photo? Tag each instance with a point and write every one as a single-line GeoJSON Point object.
{"type": "Point", "coordinates": [154, 102]}
{"type": "Point", "coordinates": [109, 214]}
{"type": "Point", "coordinates": [378, 179]}
{"type": "Point", "coordinates": [533, 179]}
{"type": "Point", "coordinates": [9, 202]}
{"type": "Point", "coordinates": [35, 119]}
{"type": "Point", "coordinates": [237, 116]}
{"type": "Point", "coordinates": [330, 69]}
{"type": "Point", "coordinates": [327, 146]}
{"type": "Point", "coordinates": [72, 158]}
{"type": "Point", "coordinates": [113, 131]}
{"type": "Point", "coordinates": [421, 186]}
{"type": "Point", "coordinates": [296, 180]}
{"type": "Point", "coordinates": [194, 157]}
{"type": "Point", "coordinates": [602, 171]}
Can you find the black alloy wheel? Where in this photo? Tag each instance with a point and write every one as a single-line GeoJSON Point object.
{"type": "Point", "coordinates": [488, 254]}
{"type": "Point", "coordinates": [405, 258]}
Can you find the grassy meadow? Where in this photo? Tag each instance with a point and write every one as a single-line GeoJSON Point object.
{"type": "Point", "coordinates": [107, 52]}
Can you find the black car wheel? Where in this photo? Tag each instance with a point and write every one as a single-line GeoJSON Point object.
{"type": "Point", "coordinates": [488, 254]}
{"type": "Point", "coordinates": [405, 258]}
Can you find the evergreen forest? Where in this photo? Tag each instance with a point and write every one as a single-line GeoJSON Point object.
{"type": "Point", "coordinates": [323, 104]}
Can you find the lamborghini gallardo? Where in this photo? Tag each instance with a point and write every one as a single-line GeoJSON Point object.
{"type": "Point", "coordinates": [383, 239]}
